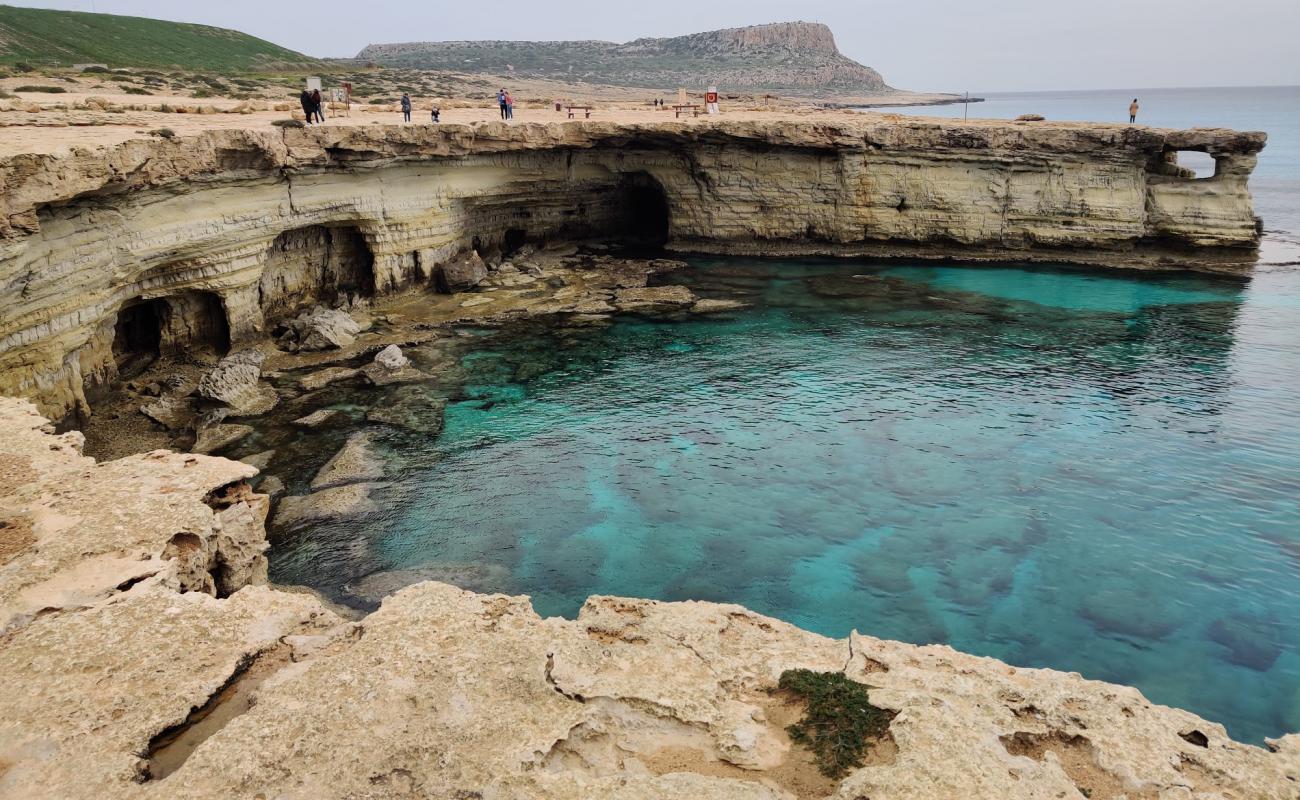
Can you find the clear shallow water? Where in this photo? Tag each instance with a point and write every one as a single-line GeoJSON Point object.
{"type": "Point", "coordinates": [1093, 471]}
{"type": "Point", "coordinates": [1275, 110]}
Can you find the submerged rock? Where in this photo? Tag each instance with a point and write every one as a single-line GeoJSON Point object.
{"type": "Point", "coordinates": [356, 462]}
{"type": "Point", "coordinates": [259, 461]}
{"type": "Point", "coordinates": [710, 306]}
{"type": "Point", "coordinates": [335, 504]}
{"type": "Point", "coordinates": [373, 588]}
{"type": "Point", "coordinates": [414, 408]}
{"type": "Point", "coordinates": [317, 419]}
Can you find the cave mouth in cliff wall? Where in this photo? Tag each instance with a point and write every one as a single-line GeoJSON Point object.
{"type": "Point", "coordinates": [315, 264]}
{"type": "Point", "coordinates": [1189, 164]}
{"type": "Point", "coordinates": [137, 336]}
{"type": "Point", "coordinates": [645, 213]}
{"type": "Point", "coordinates": [182, 323]}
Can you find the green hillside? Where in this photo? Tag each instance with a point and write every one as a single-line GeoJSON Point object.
{"type": "Point", "coordinates": [62, 38]}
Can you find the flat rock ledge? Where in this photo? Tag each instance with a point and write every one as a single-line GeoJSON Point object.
{"type": "Point", "coordinates": [117, 630]}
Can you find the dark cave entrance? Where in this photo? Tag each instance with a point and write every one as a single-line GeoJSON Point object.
{"type": "Point", "coordinates": [315, 264]}
{"type": "Point", "coordinates": [645, 215]}
{"type": "Point", "coordinates": [137, 336]}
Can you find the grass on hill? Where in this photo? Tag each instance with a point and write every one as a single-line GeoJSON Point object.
{"type": "Point", "coordinates": [62, 38]}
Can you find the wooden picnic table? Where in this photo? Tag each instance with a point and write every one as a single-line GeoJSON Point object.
{"type": "Point", "coordinates": [694, 108]}
{"type": "Point", "coordinates": [572, 109]}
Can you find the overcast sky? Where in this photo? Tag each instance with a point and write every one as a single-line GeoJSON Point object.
{"type": "Point", "coordinates": [937, 45]}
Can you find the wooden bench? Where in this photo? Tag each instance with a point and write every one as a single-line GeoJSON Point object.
{"type": "Point", "coordinates": [682, 109]}
{"type": "Point", "coordinates": [572, 109]}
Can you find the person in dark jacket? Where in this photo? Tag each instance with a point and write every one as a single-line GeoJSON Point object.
{"type": "Point", "coordinates": [308, 109]}
{"type": "Point", "coordinates": [436, 114]}
{"type": "Point", "coordinates": [406, 107]}
{"type": "Point", "coordinates": [317, 102]}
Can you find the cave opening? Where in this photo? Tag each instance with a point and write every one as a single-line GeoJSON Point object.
{"type": "Point", "coordinates": [137, 336]}
{"type": "Point", "coordinates": [513, 240]}
{"type": "Point", "coordinates": [314, 265]}
{"type": "Point", "coordinates": [645, 216]}
{"type": "Point", "coordinates": [1189, 164]}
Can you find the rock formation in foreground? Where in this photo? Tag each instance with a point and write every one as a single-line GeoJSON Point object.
{"type": "Point", "coordinates": [143, 658]}
{"type": "Point", "coordinates": [786, 57]}
{"type": "Point", "coordinates": [151, 248]}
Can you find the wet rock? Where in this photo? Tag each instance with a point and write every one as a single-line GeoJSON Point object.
{"type": "Point", "coordinates": [317, 419]}
{"type": "Point", "coordinates": [259, 461]}
{"type": "Point", "coordinates": [217, 437]}
{"type": "Point", "coordinates": [271, 486]}
{"type": "Point", "coordinates": [236, 383]}
{"type": "Point", "coordinates": [173, 413]}
{"type": "Point", "coordinates": [339, 503]}
{"type": "Point", "coordinates": [356, 462]}
{"type": "Point", "coordinates": [463, 273]}
{"type": "Point", "coordinates": [653, 299]}
{"type": "Point", "coordinates": [414, 408]}
{"type": "Point", "coordinates": [322, 378]}
{"type": "Point", "coordinates": [320, 329]}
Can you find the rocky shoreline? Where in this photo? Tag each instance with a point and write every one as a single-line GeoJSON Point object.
{"type": "Point", "coordinates": [134, 609]}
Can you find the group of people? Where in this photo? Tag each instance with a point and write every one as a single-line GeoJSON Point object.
{"type": "Point", "coordinates": [311, 105]}
{"type": "Point", "coordinates": [435, 114]}
{"type": "Point", "coordinates": [507, 104]}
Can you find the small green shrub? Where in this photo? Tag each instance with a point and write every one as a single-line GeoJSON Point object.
{"type": "Point", "coordinates": [840, 722]}
{"type": "Point", "coordinates": [94, 69]}
{"type": "Point", "coordinates": [23, 66]}
{"type": "Point", "coordinates": [163, 133]}
{"type": "Point", "coordinates": [289, 123]}
{"type": "Point", "coordinates": [121, 78]}
{"type": "Point", "coordinates": [46, 89]}
{"type": "Point", "coordinates": [380, 101]}
{"type": "Point", "coordinates": [136, 90]}
{"type": "Point", "coordinates": [201, 93]}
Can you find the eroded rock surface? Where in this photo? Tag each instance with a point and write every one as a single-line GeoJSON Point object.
{"type": "Point", "coordinates": [208, 242]}
{"type": "Point", "coordinates": [150, 664]}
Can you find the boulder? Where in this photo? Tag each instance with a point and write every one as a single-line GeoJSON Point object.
{"type": "Point", "coordinates": [236, 383]}
{"type": "Point", "coordinates": [390, 367]}
{"type": "Point", "coordinates": [173, 413]}
{"type": "Point", "coordinates": [462, 273]}
{"type": "Point", "coordinates": [356, 462]}
{"type": "Point", "coordinates": [271, 486]}
{"type": "Point", "coordinates": [219, 436]}
{"type": "Point", "coordinates": [320, 329]}
{"type": "Point", "coordinates": [259, 461]}
{"type": "Point", "coordinates": [391, 358]}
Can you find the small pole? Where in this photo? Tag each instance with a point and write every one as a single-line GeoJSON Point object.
{"type": "Point", "coordinates": [966, 107]}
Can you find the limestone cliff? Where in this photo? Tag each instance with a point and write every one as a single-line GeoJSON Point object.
{"type": "Point", "coordinates": [207, 241]}
{"type": "Point", "coordinates": [154, 687]}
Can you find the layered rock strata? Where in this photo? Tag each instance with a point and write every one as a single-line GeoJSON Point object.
{"type": "Point", "coordinates": [206, 242]}
{"type": "Point", "coordinates": [170, 680]}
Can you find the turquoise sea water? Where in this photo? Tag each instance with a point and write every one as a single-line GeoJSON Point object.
{"type": "Point", "coordinates": [1084, 470]}
{"type": "Point", "coordinates": [1088, 470]}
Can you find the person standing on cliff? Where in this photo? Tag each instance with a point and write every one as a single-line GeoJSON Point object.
{"type": "Point", "coordinates": [510, 106]}
{"type": "Point", "coordinates": [406, 107]}
{"type": "Point", "coordinates": [501, 101]}
{"type": "Point", "coordinates": [317, 102]}
{"type": "Point", "coordinates": [307, 108]}
{"type": "Point", "coordinates": [1133, 111]}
